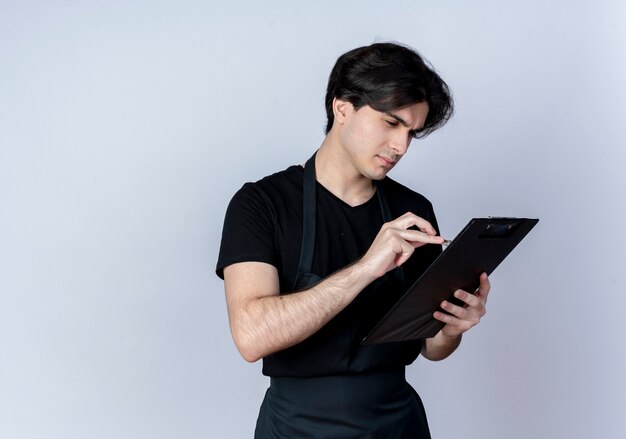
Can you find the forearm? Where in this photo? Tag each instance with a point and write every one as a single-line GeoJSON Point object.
{"type": "Point", "coordinates": [272, 323]}
{"type": "Point", "coordinates": [440, 346]}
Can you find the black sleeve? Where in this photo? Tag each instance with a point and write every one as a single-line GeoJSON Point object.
{"type": "Point", "coordinates": [248, 233]}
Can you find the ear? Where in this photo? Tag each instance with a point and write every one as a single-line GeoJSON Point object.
{"type": "Point", "coordinates": [341, 110]}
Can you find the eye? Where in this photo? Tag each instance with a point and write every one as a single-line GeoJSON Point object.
{"type": "Point", "coordinates": [392, 123]}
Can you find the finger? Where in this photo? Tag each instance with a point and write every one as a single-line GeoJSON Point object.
{"type": "Point", "coordinates": [410, 219]}
{"type": "Point", "coordinates": [475, 306]}
{"type": "Point", "coordinates": [406, 250]}
{"type": "Point", "coordinates": [455, 310]}
{"type": "Point", "coordinates": [461, 324]}
{"type": "Point", "coordinates": [469, 299]}
{"type": "Point", "coordinates": [445, 318]}
{"type": "Point", "coordinates": [419, 238]}
{"type": "Point", "coordinates": [484, 287]}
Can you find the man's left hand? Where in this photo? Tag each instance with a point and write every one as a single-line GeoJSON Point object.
{"type": "Point", "coordinates": [462, 318]}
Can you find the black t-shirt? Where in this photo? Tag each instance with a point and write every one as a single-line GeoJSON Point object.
{"type": "Point", "coordinates": [264, 223]}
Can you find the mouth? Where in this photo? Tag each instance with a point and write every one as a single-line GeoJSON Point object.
{"type": "Point", "coordinates": [386, 162]}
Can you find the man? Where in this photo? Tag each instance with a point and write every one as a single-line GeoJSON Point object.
{"type": "Point", "coordinates": [312, 257]}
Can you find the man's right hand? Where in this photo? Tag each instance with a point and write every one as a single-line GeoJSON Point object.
{"type": "Point", "coordinates": [395, 243]}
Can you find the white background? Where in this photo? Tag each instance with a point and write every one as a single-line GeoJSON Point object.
{"type": "Point", "coordinates": [125, 128]}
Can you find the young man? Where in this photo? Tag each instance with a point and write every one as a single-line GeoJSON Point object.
{"type": "Point", "coordinates": [312, 257]}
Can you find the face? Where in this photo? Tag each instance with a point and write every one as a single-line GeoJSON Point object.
{"type": "Point", "coordinates": [373, 141]}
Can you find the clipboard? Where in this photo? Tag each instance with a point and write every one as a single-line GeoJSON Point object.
{"type": "Point", "coordinates": [480, 247]}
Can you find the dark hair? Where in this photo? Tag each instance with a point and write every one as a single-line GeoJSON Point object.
{"type": "Point", "coordinates": [388, 76]}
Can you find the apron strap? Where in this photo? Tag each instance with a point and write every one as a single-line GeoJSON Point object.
{"type": "Point", "coordinates": [382, 200]}
{"type": "Point", "coordinates": [308, 222]}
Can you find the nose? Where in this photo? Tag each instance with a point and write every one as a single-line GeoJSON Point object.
{"type": "Point", "coordinates": [400, 143]}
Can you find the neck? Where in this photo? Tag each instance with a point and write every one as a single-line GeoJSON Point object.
{"type": "Point", "coordinates": [337, 173]}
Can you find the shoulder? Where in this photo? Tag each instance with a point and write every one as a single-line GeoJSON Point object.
{"type": "Point", "coordinates": [252, 218]}
{"type": "Point", "coordinates": [267, 202]}
{"type": "Point", "coordinates": [277, 183]}
{"type": "Point", "coordinates": [272, 189]}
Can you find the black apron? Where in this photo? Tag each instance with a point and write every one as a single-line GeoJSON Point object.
{"type": "Point", "coordinates": [372, 405]}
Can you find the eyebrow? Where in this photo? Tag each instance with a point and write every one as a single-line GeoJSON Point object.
{"type": "Point", "coordinates": [397, 118]}
{"type": "Point", "coordinates": [402, 122]}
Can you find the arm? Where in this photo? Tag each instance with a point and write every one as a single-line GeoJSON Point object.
{"type": "Point", "coordinates": [459, 320]}
{"type": "Point", "coordinates": [263, 322]}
